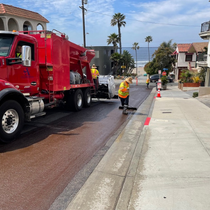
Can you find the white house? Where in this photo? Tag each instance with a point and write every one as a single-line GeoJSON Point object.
{"type": "Point", "coordinates": [187, 56]}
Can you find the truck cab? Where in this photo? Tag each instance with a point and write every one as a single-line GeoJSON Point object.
{"type": "Point", "coordinates": [23, 78]}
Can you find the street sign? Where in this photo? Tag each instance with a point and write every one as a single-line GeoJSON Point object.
{"type": "Point", "coordinates": [164, 73]}
{"type": "Point", "coordinates": [165, 69]}
{"type": "Point", "coordinates": [159, 71]}
{"type": "Point", "coordinates": [123, 67]}
{"type": "Point", "coordinates": [159, 86]}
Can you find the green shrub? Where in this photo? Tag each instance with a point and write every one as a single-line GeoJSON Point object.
{"type": "Point", "coordinates": [164, 80]}
{"type": "Point", "coordinates": [195, 94]}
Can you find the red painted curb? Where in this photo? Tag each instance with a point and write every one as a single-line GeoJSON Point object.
{"type": "Point", "coordinates": [147, 121]}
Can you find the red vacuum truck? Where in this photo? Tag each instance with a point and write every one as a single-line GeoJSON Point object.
{"type": "Point", "coordinates": [51, 71]}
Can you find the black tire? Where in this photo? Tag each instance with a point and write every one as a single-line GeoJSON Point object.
{"type": "Point", "coordinates": [87, 98]}
{"type": "Point", "coordinates": [11, 120]}
{"type": "Point", "coordinates": [77, 100]}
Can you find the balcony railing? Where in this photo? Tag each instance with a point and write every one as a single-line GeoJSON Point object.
{"type": "Point", "coordinates": [205, 26]}
{"type": "Point", "coordinates": [202, 57]}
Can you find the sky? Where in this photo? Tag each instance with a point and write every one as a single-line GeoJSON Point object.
{"type": "Point", "coordinates": [163, 20]}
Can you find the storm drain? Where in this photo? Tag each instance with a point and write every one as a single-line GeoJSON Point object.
{"type": "Point", "coordinates": [166, 111]}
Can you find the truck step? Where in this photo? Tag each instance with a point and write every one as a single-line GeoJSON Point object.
{"type": "Point", "coordinates": [38, 115]}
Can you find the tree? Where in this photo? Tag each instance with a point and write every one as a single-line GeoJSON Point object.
{"type": "Point", "coordinates": [114, 39]}
{"type": "Point", "coordinates": [118, 19]}
{"type": "Point", "coordinates": [135, 47]}
{"type": "Point", "coordinates": [148, 39]}
{"type": "Point", "coordinates": [128, 61]}
{"type": "Point", "coordinates": [151, 67]}
{"type": "Point", "coordinates": [163, 56]}
{"type": "Point", "coordinates": [116, 58]}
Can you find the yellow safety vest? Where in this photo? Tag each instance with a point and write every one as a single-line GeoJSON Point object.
{"type": "Point", "coordinates": [94, 73]}
{"type": "Point", "coordinates": [123, 92]}
{"type": "Point", "coordinates": [147, 81]}
{"type": "Point", "coordinates": [19, 55]}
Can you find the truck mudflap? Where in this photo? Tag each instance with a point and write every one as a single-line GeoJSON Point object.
{"type": "Point", "coordinates": [106, 87]}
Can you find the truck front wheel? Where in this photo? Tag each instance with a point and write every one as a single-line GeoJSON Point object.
{"type": "Point", "coordinates": [11, 120]}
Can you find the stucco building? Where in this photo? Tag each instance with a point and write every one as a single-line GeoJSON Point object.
{"type": "Point", "coordinates": [14, 18]}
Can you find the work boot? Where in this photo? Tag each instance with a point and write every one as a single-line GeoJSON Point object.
{"type": "Point", "coordinates": [125, 110]}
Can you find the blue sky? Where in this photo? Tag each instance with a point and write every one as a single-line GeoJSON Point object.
{"type": "Point", "coordinates": [179, 20]}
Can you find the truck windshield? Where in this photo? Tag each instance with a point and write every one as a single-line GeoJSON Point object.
{"type": "Point", "coordinates": [5, 44]}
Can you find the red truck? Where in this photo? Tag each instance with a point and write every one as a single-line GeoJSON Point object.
{"type": "Point", "coordinates": [51, 72]}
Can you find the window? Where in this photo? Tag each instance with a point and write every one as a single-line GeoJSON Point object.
{"type": "Point", "coordinates": [108, 52]}
{"type": "Point", "coordinates": [5, 44]}
{"type": "Point", "coordinates": [21, 43]}
{"type": "Point", "coordinates": [188, 57]}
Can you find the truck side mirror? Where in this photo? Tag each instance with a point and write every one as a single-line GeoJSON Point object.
{"type": "Point", "coordinates": [26, 55]}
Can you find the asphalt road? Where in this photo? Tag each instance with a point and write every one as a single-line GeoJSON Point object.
{"type": "Point", "coordinates": [52, 150]}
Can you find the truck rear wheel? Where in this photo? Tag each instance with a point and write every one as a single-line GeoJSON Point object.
{"type": "Point", "coordinates": [87, 97]}
{"type": "Point", "coordinates": [11, 120]}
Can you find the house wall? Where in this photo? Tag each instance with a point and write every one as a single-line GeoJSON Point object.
{"type": "Point", "coordinates": [208, 55]}
{"type": "Point", "coordinates": [10, 22]}
{"type": "Point", "coordinates": [182, 63]}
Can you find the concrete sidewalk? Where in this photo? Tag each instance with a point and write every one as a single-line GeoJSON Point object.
{"type": "Point", "coordinates": [160, 166]}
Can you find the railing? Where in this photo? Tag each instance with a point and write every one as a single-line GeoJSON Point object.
{"type": "Point", "coordinates": [202, 57]}
{"type": "Point", "coordinates": [201, 61]}
{"type": "Point", "coordinates": [205, 26]}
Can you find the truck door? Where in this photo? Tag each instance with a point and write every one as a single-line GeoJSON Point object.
{"type": "Point", "coordinates": [25, 78]}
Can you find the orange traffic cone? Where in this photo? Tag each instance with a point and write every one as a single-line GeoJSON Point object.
{"type": "Point", "coordinates": [158, 94]}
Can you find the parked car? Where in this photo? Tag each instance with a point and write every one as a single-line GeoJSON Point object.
{"type": "Point", "coordinates": [155, 78]}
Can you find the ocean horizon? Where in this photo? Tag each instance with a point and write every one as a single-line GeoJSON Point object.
{"type": "Point", "coordinates": [142, 54]}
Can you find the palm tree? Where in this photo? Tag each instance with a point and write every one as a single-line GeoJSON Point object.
{"type": "Point", "coordinates": [135, 47]}
{"type": "Point", "coordinates": [118, 19]}
{"type": "Point", "coordinates": [114, 39]}
{"type": "Point", "coordinates": [148, 39]}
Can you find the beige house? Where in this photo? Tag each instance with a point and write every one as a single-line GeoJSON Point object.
{"type": "Point", "coordinates": [14, 18]}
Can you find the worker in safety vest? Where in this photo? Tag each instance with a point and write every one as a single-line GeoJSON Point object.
{"type": "Point", "coordinates": [95, 75]}
{"type": "Point", "coordinates": [147, 82]}
{"type": "Point", "coordinates": [18, 52]}
{"type": "Point", "coordinates": [123, 93]}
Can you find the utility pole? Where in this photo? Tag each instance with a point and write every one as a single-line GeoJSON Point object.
{"type": "Point", "coordinates": [83, 19]}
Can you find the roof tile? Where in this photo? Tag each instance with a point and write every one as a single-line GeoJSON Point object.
{"type": "Point", "coordinates": [9, 9]}
{"type": "Point", "coordinates": [183, 47]}
{"type": "Point", "coordinates": [199, 46]}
